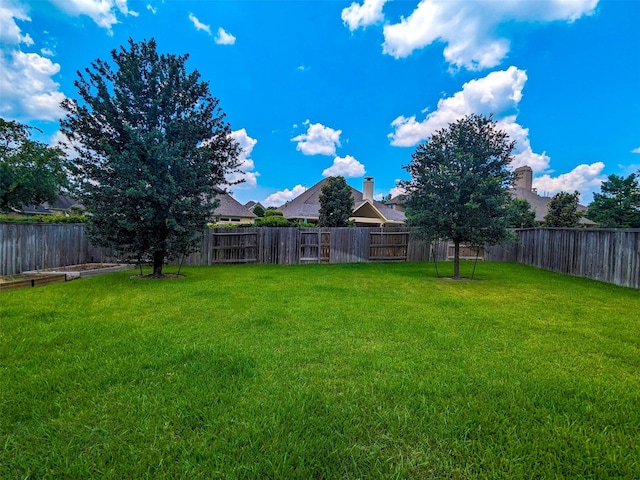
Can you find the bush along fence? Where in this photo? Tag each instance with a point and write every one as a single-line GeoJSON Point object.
{"type": "Point", "coordinates": [602, 254]}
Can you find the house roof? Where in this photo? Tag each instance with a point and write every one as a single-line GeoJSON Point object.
{"type": "Point", "coordinates": [230, 207]}
{"type": "Point", "coordinates": [541, 204]}
{"type": "Point", "coordinates": [307, 206]}
{"type": "Point", "coordinates": [250, 205]}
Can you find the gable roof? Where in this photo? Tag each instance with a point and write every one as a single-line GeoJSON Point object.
{"type": "Point", "coordinates": [230, 207]}
{"type": "Point", "coordinates": [307, 206]}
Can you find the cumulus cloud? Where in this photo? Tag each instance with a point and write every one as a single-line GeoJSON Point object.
{"type": "Point", "coordinates": [636, 150]}
{"type": "Point", "coordinates": [10, 32]}
{"type": "Point", "coordinates": [469, 29]}
{"type": "Point", "coordinates": [499, 93]}
{"type": "Point", "coordinates": [102, 12]}
{"type": "Point", "coordinates": [224, 38]}
{"type": "Point", "coordinates": [247, 166]}
{"type": "Point", "coordinates": [152, 9]}
{"type": "Point", "coordinates": [283, 196]}
{"type": "Point", "coordinates": [369, 13]}
{"type": "Point", "coordinates": [27, 90]}
{"type": "Point", "coordinates": [586, 179]}
{"type": "Point", "coordinates": [199, 25]}
{"type": "Point", "coordinates": [319, 140]}
{"type": "Point", "coordinates": [347, 167]}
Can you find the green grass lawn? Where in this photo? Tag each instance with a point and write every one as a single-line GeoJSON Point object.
{"type": "Point", "coordinates": [321, 371]}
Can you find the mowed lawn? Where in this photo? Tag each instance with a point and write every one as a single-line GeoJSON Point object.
{"type": "Point", "coordinates": [321, 371]}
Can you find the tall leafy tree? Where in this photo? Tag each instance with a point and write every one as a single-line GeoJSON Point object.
{"type": "Point", "coordinates": [336, 203]}
{"type": "Point", "coordinates": [459, 184]}
{"type": "Point", "coordinates": [618, 203]}
{"type": "Point", "coordinates": [563, 210]}
{"type": "Point", "coordinates": [30, 172]}
{"type": "Point", "coordinates": [152, 145]}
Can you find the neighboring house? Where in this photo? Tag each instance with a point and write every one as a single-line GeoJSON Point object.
{"type": "Point", "coordinates": [396, 203]}
{"type": "Point", "coordinates": [523, 188]}
{"type": "Point", "coordinates": [250, 205]}
{"type": "Point", "coordinates": [367, 212]}
{"type": "Point", "coordinates": [63, 205]}
{"type": "Point", "coordinates": [230, 211]}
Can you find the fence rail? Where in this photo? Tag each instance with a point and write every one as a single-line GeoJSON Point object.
{"type": "Point", "coordinates": [602, 254]}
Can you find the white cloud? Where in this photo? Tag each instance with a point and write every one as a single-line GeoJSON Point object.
{"type": "Point", "coordinates": [499, 93]}
{"type": "Point", "coordinates": [636, 150]}
{"type": "Point", "coordinates": [586, 179]}
{"type": "Point", "coordinates": [103, 12]}
{"type": "Point", "coordinates": [319, 140]}
{"type": "Point", "coordinates": [247, 166]}
{"type": "Point", "coordinates": [152, 9]}
{"type": "Point", "coordinates": [397, 190]}
{"type": "Point", "coordinates": [199, 25]}
{"type": "Point", "coordinates": [27, 90]}
{"type": "Point", "coordinates": [10, 32]}
{"type": "Point", "coordinates": [283, 196]}
{"type": "Point", "coordinates": [347, 167]}
{"type": "Point", "coordinates": [369, 13]}
{"type": "Point", "coordinates": [224, 38]}
{"type": "Point", "coordinates": [469, 28]}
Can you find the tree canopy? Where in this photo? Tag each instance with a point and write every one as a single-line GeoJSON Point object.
{"type": "Point", "coordinates": [30, 172]}
{"type": "Point", "coordinates": [618, 203]}
{"type": "Point", "coordinates": [459, 184]}
{"type": "Point", "coordinates": [520, 214]}
{"type": "Point", "coordinates": [152, 146]}
{"type": "Point", "coordinates": [336, 203]}
{"type": "Point", "coordinates": [563, 210]}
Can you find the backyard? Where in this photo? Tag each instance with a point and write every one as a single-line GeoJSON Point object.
{"type": "Point", "coordinates": [321, 371]}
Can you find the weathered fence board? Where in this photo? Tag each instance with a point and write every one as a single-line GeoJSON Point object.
{"type": "Point", "coordinates": [610, 255]}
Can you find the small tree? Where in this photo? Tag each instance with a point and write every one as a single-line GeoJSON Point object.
{"type": "Point", "coordinates": [152, 146]}
{"type": "Point", "coordinates": [520, 214]}
{"type": "Point", "coordinates": [258, 211]}
{"type": "Point", "coordinates": [30, 172]}
{"type": "Point", "coordinates": [618, 203]}
{"type": "Point", "coordinates": [459, 185]}
{"type": "Point", "coordinates": [336, 203]}
{"type": "Point", "coordinates": [563, 210]}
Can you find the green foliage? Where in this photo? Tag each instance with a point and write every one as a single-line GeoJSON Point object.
{"type": "Point", "coordinates": [152, 146]}
{"type": "Point", "coordinates": [272, 218]}
{"type": "Point", "coordinates": [321, 372]}
{"type": "Point", "coordinates": [459, 184]}
{"type": "Point", "coordinates": [31, 172]}
{"type": "Point", "coordinates": [273, 213]}
{"type": "Point", "coordinates": [336, 203]}
{"type": "Point", "coordinates": [618, 203]}
{"type": "Point", "coordinates": [563, 210]}
{"type": "Point", "coordinates": [258, 211]}
{"type": "Point", "coordinates": [45, 218]}
{"type": "Point", "coordinates": [520, 214]}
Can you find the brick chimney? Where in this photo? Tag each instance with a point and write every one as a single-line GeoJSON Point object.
{"type": "Point", "coordinates": [367, 189]}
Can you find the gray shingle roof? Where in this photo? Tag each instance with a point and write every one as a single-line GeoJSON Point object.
{"type": "Point", "coordinates": [230, 207]}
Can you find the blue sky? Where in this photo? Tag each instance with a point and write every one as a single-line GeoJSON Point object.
{"type": "Point", "coordinates": [317, 88]}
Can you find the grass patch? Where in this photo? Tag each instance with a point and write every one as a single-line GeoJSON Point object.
{"type": "Point", "coordinates": [321, 371]}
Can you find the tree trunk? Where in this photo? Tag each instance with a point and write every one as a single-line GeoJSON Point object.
{"type": "Point", "coordinates": [158, 260]}
{"type": "Point", "coordinates": [456, 259]}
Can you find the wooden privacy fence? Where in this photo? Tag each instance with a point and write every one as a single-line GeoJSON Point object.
{"type": "Point", "coordinates": [609, 255]}
{"type": "Point", "coordinates": [311, 245]}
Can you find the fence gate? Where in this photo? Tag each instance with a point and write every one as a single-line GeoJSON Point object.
{"type": "Point", "coordinates": [388, 246]}
{"type": "Point", "coordinates": [315, 246]}
{"type": "Point", "coordinates": [234, 247]}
